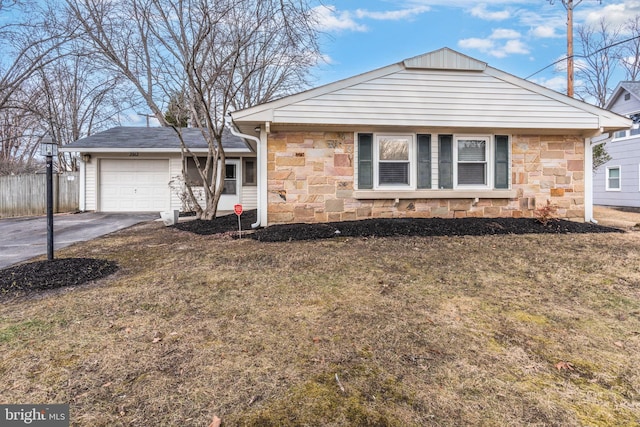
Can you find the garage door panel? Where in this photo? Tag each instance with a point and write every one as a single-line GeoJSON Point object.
{"type": "Point", "coordinates": [134, 185]}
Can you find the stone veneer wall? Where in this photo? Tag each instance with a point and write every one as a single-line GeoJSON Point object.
{"type": "Point", "coordinates": [311, 179]}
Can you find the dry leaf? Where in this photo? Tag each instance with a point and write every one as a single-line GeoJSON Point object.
{"type": "Point", "coordinates": [157, 339]}
{"type": "Point", "coordinates": [216, 422]}
{"type": "Point", "coordinates": [619, 344]}
{"type": "Point", "coordinates": [106, 384]}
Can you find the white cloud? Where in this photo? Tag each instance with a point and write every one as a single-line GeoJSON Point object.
{"type": "Point", "coordinates": [501, 43]}
{"type": "Point", "coordinates": [392, 15]}
{"type": "Point", "coordinates": [504, 33]}
{"type": "Point", "coordinates": [515, 46]}
{"type": "Point", "coordinates": [557, 83]}
{"type": "Point", "coordinates": [475, 43]}
{"type": "Point", "coordinates": [480, 11]}
{"type": "Point", "coordinates": [329, 19]}
{"type": "Point", "coordinates": [613, 14]}
{"type": "Point", "coordinates": [545, 32]}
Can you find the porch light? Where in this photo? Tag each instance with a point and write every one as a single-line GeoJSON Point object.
{"type": "Point", "coordinates": [48, 147]}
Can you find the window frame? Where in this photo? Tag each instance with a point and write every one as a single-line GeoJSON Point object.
{"type": "Point", "coordinates": [412, 160]}
{"type": "Point", "coordinates": [246, 169]}
{"type": "Point", "coordinates": [607, 178]}
{"type": "Point", "coordinates": [488, 161]}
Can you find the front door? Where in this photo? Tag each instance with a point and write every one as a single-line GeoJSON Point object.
{"type": "Point", "coordinates": [231, 192]}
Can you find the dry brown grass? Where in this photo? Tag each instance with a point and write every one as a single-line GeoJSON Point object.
{"type": "Point", "coordinates": [494, 330]}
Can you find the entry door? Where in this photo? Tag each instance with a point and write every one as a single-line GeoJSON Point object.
{"type": "Point", "coordinates": [231, 192]}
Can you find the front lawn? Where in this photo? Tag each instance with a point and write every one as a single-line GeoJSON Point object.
{"type": "Point", "coordinates": [538, 329]}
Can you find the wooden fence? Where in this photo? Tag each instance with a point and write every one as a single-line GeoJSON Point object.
{"type": "Point", "coordinates": [22, 195]}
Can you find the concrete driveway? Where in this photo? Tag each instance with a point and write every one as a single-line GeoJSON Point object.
{"type": "Point", "coordinates": [26, 237]}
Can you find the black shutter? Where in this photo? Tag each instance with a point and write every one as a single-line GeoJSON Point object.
{"type": "Point", "coordinates": [424, 161]}
{"type": "Point", "coordinates": [365, 161]}
{"type": "Point", "coordinates": [502, 162]}
{"type": "Point", "coordinates": [445, 161]}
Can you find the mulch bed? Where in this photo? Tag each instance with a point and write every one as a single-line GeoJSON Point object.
{"type": "Point", "coordinates": [387, 227]}
{"type": "Point", "coordinates": [43, 275]}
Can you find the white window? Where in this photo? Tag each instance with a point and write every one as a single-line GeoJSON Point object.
{"type": "Point", "coordinates": [620, 134]}
{"type": "Point", "coordinates": [613, 178]}
{"type": "Point", "coordinates": [394, 158]}
{"type": "Point", "coordinates": [472, 167]}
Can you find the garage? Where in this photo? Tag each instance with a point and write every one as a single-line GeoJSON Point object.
{"type": "Point", "coordinates": [134, 185]}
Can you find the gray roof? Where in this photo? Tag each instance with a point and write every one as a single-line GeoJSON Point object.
{"type": "Point", "coordinates": [149, 138]}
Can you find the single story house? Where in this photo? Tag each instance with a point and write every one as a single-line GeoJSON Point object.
{"type": "Point", "coordinates": [617, 182]}
{"type": "Point", "coordinates": [140, 169]}
{"type": "Point", "coordinates": [437, 135]}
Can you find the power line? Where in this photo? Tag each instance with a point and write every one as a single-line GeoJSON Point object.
{"type": "Point", "coordinates": [582, 56]}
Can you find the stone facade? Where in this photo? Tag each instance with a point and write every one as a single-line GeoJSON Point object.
{"type": "Point", "coordinates": [311, 179]}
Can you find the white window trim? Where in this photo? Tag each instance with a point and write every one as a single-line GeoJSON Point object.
{"type": "Point", "coordinates": [489, 161]}
{"type": "Point", "coordinates": [413, 160]}
{"type": "Point", "coordinates": [606, 178]}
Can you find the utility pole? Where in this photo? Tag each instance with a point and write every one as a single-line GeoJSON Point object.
{"type": "Point", "coordinates": [569, 5]}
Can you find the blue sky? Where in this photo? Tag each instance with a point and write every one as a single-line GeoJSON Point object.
{"type": "Point", "coordinates": [515, 36]}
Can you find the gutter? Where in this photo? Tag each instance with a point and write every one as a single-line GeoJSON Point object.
{"type": "Point", "coordinates": [258, 181]}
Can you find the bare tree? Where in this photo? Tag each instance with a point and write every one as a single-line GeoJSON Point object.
{"type": "Point", "coordinates": [76, 99]}
{"type": "Point", "coordinates": [629, 54]}
{"type": "Point", "coordinates": [213, 52]}
{"type": "Point", "coordinates": [599, 53]}
{"type": "Point", "coordinates": [28, 43]}
{"type": "Point", "coordinates": [20, 135]}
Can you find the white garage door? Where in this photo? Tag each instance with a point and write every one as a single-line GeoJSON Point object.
{"type": "Point", "coordinates": [134, 185]}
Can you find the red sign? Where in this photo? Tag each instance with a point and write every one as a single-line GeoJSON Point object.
{"type": "Point", "coordinates": [237, 209]}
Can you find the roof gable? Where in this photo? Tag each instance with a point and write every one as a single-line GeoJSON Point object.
{"type": "Point", "coordinates": [619, 103]}
{"type": "Point", "coordinates": [445, 59]}
{"type": "Point", "coordinates": [442, 89]}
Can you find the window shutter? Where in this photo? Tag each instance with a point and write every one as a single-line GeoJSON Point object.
{"type": "Point", "coordinates": [365, 161]}
{"type": "Point", "coordinates": [445, 161]}
{"type": "Point", "coordinates": [502, 162]}
{"type": "Point", "coordinates": [424, 161]}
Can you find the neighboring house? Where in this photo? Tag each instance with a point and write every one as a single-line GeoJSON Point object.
{"type": "Point", "coordinates": [617, 182]}
{"type": "Point", "coordinates": [140, 169]}
{"type": "Point", "coordinates": [437, 135]}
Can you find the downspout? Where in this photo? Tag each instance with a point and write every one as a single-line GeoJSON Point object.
{"type": "Point", "coordinates": [588, 172]}
{"type": "Point", "coordinates": [259, 168]}
{"type": "Point", "coordinates": [588, 181]}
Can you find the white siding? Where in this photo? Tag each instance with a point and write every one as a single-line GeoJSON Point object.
{"type": "Point", "coordinates": [249, 197]}
{"type": "Point", "coordinates": [91, 183]}
{"type": "Point", "coordinates": [624, 153]}
{"type": "Point", "coordinates": [175, 167]}
{"type": "Point", "coordinates": [622, 106]}
{"type": "Point", "coordinates": [437, 98]}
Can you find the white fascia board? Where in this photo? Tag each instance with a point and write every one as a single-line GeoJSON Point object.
{"type": "Point", "coordinates": [265, 112]}
{"type": "Point", "coordinates": [607, 119]}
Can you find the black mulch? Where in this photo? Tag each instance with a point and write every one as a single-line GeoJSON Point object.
{"type": "Point", "coordinates": [43, 275]}
{"type": "Point", "coordinates": [390, 227]}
